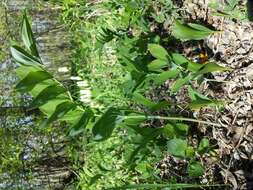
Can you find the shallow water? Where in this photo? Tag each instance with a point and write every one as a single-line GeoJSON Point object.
{"type": "Point", "coordinates": [54, 47]}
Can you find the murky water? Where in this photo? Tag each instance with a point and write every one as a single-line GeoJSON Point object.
{"type": "Point", "coordinates": [55, 51]}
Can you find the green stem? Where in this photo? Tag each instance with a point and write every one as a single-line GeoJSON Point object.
{"type": "Point", "coordinates": [171, 119]}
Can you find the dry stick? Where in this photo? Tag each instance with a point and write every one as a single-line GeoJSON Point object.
{"type": "Point", "coordinates": [171, 118]}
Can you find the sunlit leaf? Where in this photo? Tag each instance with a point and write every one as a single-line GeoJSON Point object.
{"type": "Point", "coordinates": [47, 94]}
{"type": "Point", "coordinates": [181, 60]}
{"type": "Point", "coordinates": [211, 67]}
{"type": "Point", "coordinates": [190, 31]}
{"type": "Point", "coordinates": [59, 112]}
{"type": "Point", "coordinates": [105, 125]}
{"type": "Point", "coordinates": [179, 83]}
{"type": "Point", "coordinates": [181, 129]}
{"type": "Point", "coordinates": [23, 57]}
{"type": "Point", "coordinates": [177, 147]}
{"type": "Point", "coordinates": [166, 75]}
{"type": "Point", "coordinates": [27, 36]}
{"type": "Point", "coordinates": [140, 99]}
{"type": "Point", "coordinates": [157, 65]}
{"type": "Point", "coordinates": [190, 152]}
{"type": "Point", "coordinates": [158, 51]}
{"type": "Point", "coordinates": [172, 130]}
{"type": "Point", "coordinates": [32, 79]}
{"type": "Point", "coordinates": [79, 127]}
{"type": "Point", "coordinates": [203, 146]}
{"type": "Point", "coordinates": [195, 169]}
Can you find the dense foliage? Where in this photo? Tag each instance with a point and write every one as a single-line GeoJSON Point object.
{"type": "Point", "coordinates": [134, 58]}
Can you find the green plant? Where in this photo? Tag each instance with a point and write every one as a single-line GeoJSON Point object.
{"type": "Point", "coordinates": [148, 65]}
{"type": "Point", "coordinates": [230, 9]}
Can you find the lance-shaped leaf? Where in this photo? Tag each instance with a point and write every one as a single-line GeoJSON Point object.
{"type": "Point", "coordinates": [59, 112]}
{"type": "Point", "coordinates": [164, 76]}
{"type": "Point", "coordinates": [190, 31]}
{"type": "Point", "coordinates": [32, 79]}
{"type": "Point", "coordinates": [198, 100]}
{"type": "Point", "coordinates": [105, 125]}
{"type": "Point", "coordinates": [81, 123]}
{"type": "Point", "coordinates": [158, 52]}
{"type": "Point", "coordinates": [201, 102]}
{"type": "Point", "coordinates": [182, 61]}
{"type": "Point", "coordinates": [211, 67]}
{"type": "Point", "coordinates": [47, 94]}
{"type": "Point", "coordinates": [140, 99]}
{"type": "Point", "coordinates": [22, 57]}
{"type": "Point", "coordinates": [179, 83]}
{"type": "Point", "coordinates": [27, 36]}
{"type": "Point", "coordinates": [157, 65]}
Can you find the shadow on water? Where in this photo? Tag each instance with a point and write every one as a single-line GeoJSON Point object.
{"type": "Point", "coordinates": [250, 9]}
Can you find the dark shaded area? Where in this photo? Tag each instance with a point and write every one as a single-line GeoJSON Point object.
{"type": "Point", "coordinates": [250, 9]}
{"type": "Point", "coordinates": [248, 172]}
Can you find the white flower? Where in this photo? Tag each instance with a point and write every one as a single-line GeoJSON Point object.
{"type": "Point", "coordinates": [75, 78]}
{"type": "Point", "coordinates": [82, 83]}
{"type": "Point", "coordinates": [63, 69]}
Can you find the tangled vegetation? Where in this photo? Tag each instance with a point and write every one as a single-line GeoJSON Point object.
{"type": "Point", "coordinates": [127, 53]}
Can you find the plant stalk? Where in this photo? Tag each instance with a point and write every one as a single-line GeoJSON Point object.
{"type": "Point", "coordinates": [149, 117]}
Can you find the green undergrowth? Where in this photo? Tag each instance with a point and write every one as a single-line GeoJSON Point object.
{"type": "Point", "coordinates": [122, 49]}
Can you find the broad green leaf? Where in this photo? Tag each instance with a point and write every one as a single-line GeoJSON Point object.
{"type": "Point", "coordinates": [181, 129]}
{"type": "Point", "coordinates": [199, 100]}
{"type": "Point", "coordinates": [190, 31]}
{"type": "Point", "coordinates": [192, 66]}
{"type": "Point", "coordinates": [190, 152]}
{"type": "Point", "coordinates": [157, 65]}
{"type": "Point", "coordinates": [59, 112]}
{"type": "Point", "coordinates": [160, 105]}
{"type": "Point", "coordinates": [195, 169]}
{"type": "Point", "coordinates": [81, 123]}
{"type": "Point", "coordinates": [47, 94]}
{"type": "Point", "coordinates": [166, 75]}
{"type": "Point", "coordinates": [203, 146]}
{"type": "Point", "coordinates": [200, 103]}
{"type": "Point", "coordinates": [49, 107]}
{"type": "Point", "coordinates": [72, 116]}
{"type": "Point", "coordinates": [177, 147]}
{"type": "Point", "coordinates": [27, 36]}
{"type": "Point", "coordinates": [23, 57]}
{"type": "Point", "coordinates": [179, 83]}
{"type": "Point", "coordinates": [172, 130]}
{"type": "Point", "coordinates": [194, 95]}
{"type": "Point", "coordinates": [169, 131]}
{"type": "Point", "coordinates": [200, 27]}
{"type": "Point", "coordinates": [33, 78]}
{"type": "Point", "coordinates": [179, 59]}
{"type": "Point", "coordinates": [158, 52]}
{"type": "Point", "coordinates": [182, 61]}
{"type": "Point", "coordinates": [211, 67]}
{"type": "Point", "coordinates": [105, 125]}
{"type": "Point", "coordinates": [140, 99]}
